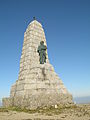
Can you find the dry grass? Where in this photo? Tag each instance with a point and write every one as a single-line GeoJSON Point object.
{"type": "Point", "coordinates": [46, 110]}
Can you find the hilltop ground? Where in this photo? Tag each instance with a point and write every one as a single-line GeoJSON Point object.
{"type": "Point", "coordinates": [73, 112]}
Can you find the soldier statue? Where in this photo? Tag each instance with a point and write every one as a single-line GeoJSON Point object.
{"type": "Point", "coordinates": [42, 52]}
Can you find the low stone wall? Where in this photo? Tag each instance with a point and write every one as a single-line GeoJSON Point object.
{"type": "Point", "coordinates": [36, 101]}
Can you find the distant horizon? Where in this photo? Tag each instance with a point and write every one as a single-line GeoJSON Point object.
{"type": "Point", "coordinates": [82, 100]}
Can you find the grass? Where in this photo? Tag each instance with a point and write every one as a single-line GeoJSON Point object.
{"type": "Point", "coordinates": [46, 110]}
{"type": "Point", "coordinates": [3, 109]}
{"type": "Point", "coordinates": [77, 110]}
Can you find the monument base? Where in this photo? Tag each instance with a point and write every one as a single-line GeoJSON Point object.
{"type": "Point", "coordinates": [37, 101]}
{"type": "Point", "coordinates": [42, 88]}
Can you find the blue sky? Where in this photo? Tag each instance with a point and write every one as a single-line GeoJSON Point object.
{"type": "Point", "coordinates": [67, 28]}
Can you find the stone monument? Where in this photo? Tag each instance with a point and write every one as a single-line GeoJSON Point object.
{"type": "Point", "coordinates": [38, 85]}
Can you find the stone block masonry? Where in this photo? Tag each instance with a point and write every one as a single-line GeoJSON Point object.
{"type": "Point", "coordinates": [38, 85]}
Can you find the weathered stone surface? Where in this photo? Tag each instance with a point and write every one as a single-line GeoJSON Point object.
{"type": "Point", "coordinates": [38, 85]}
{"type": "Point", "coordinates": [38, 100]}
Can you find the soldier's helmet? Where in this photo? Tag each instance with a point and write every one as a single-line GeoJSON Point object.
{"type": "Point", "coordinates": [42, 42]}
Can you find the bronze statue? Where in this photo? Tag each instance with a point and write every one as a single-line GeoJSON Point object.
{"type": "Point", "coordinates": [42, 52]}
